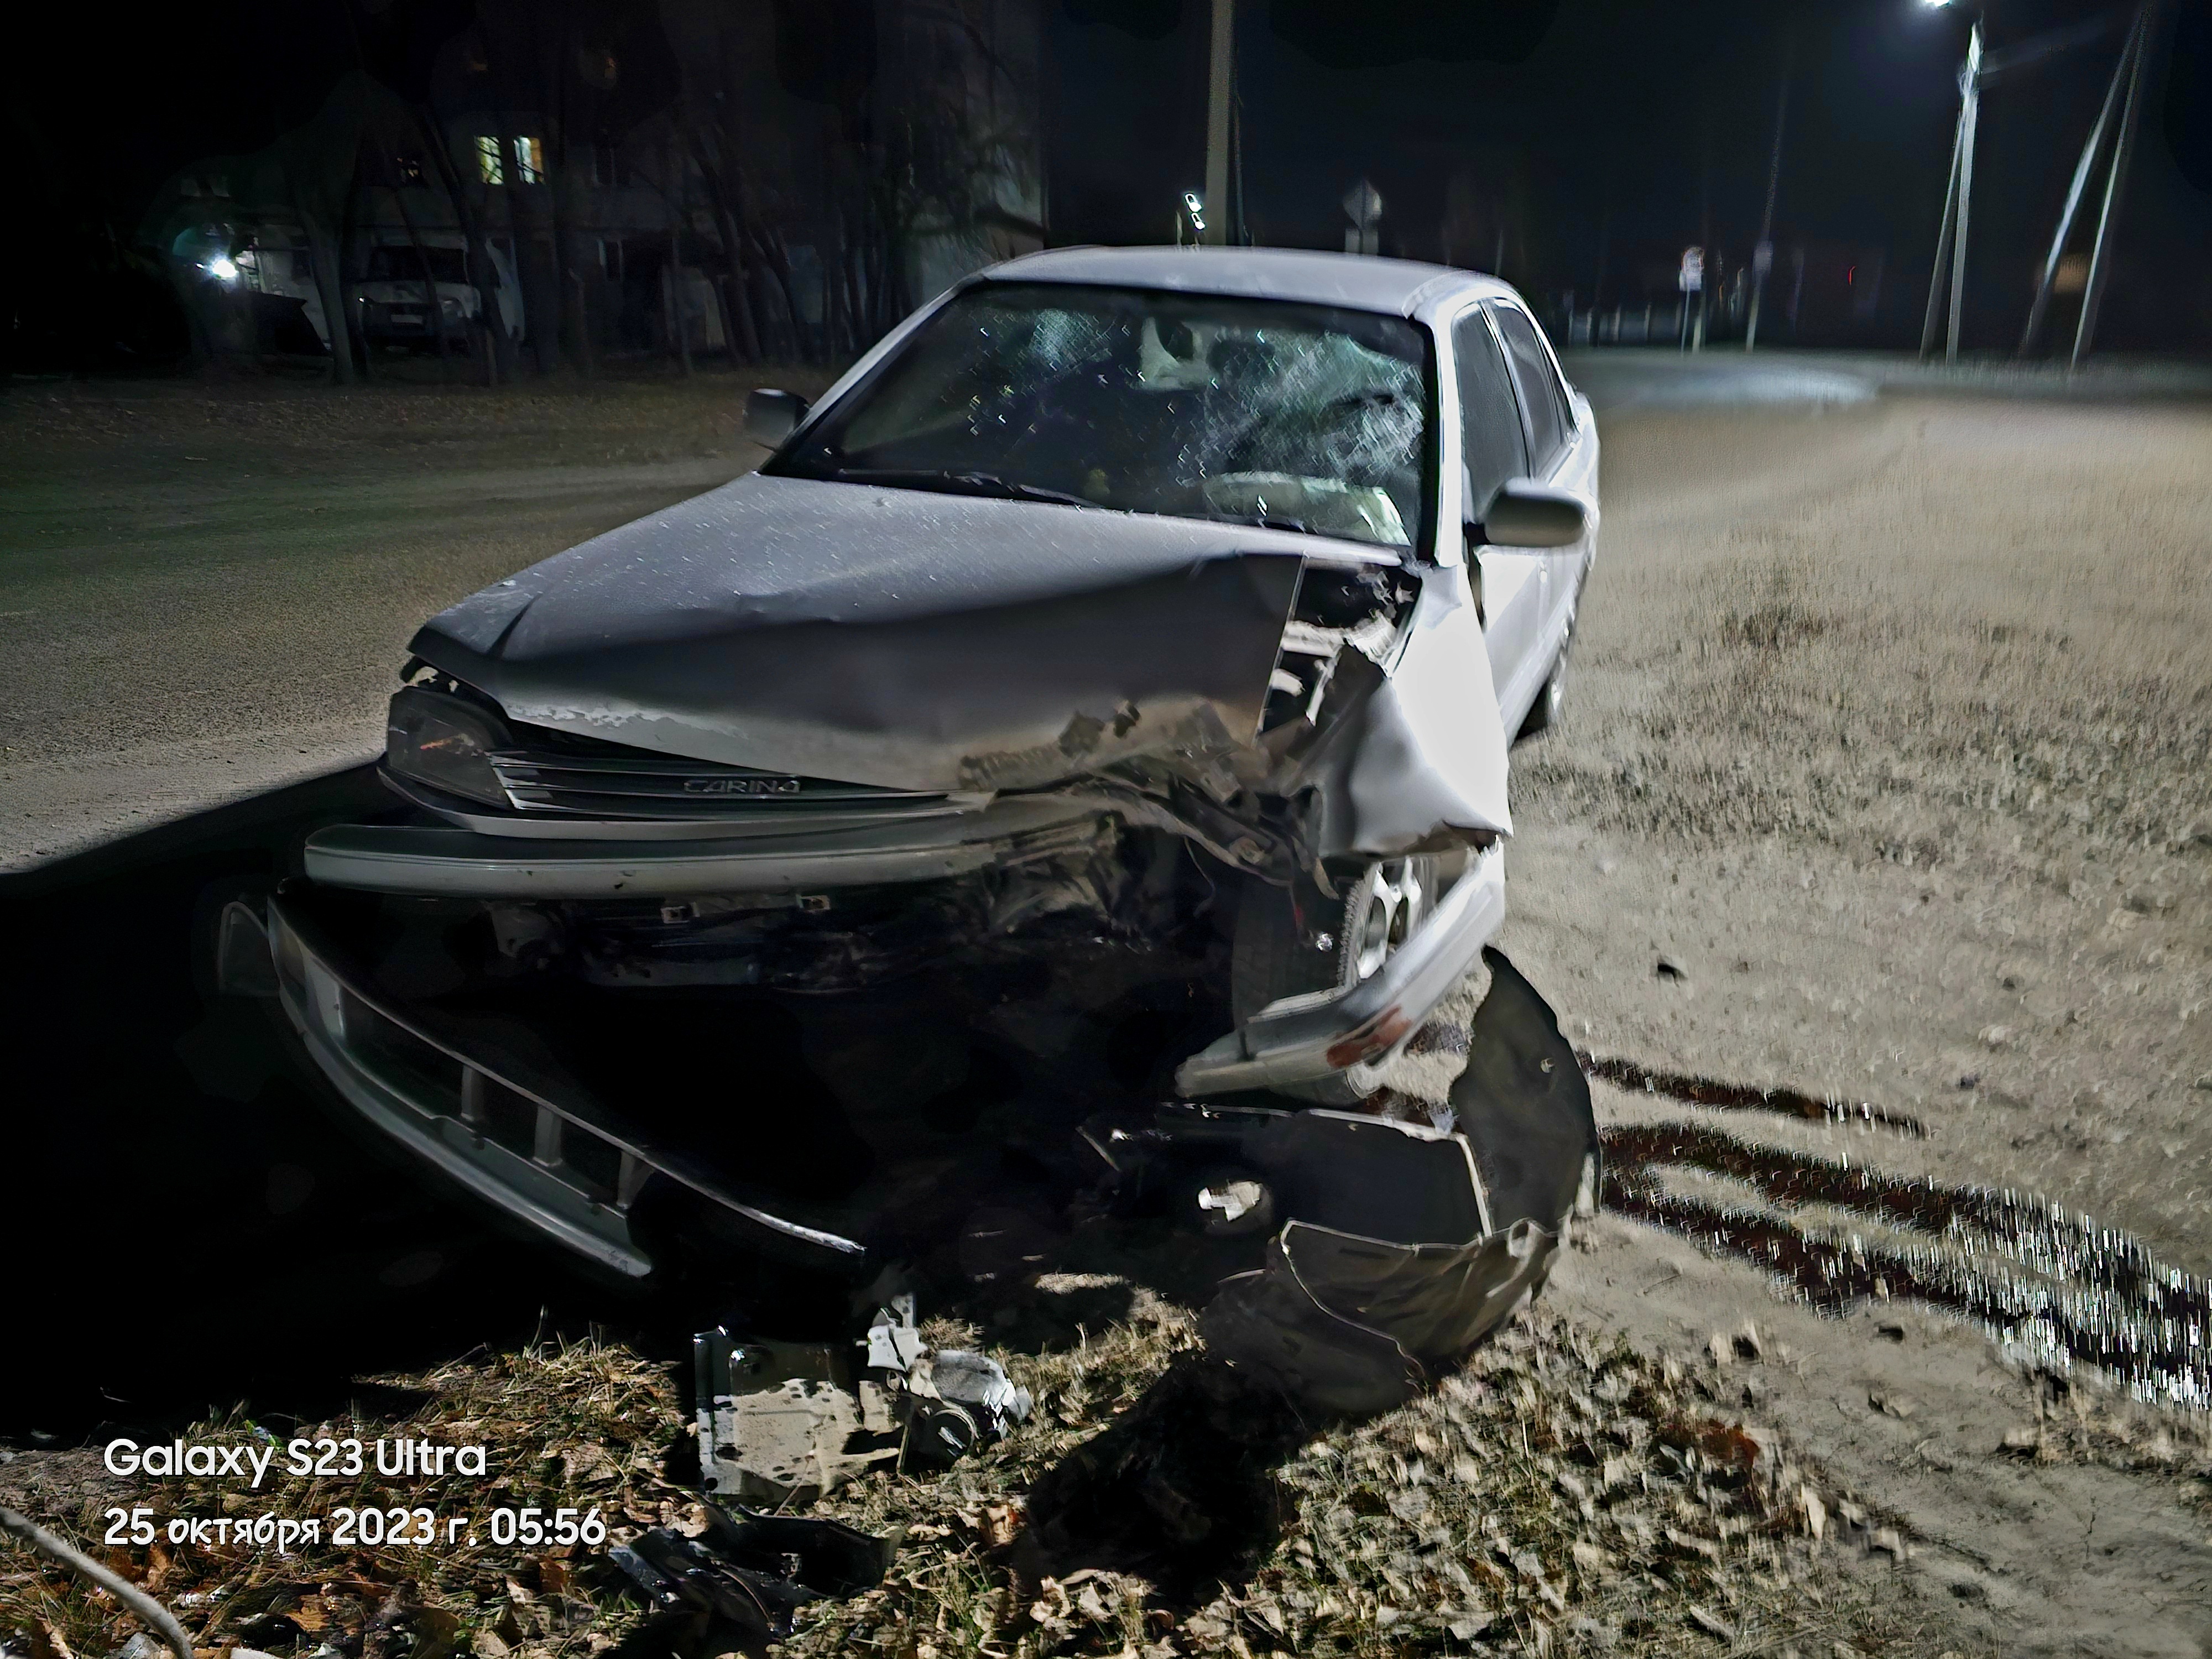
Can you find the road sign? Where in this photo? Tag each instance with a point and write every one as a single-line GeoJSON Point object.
{"type": "Point", "coordinates": [1690, 279]}
{"type": "Point", "coordinates": [1364, 204]}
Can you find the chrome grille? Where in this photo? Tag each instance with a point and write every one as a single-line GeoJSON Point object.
{"type": "Point", "coordinates": [634, 785]}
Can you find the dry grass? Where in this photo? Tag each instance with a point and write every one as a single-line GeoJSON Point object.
{"type": "Point", "coordinates": [585, 1424]}
{"type": "Point", "coordinates": [1904, 715]}
{"type": "Point", "coordinates": [1556, 1495]}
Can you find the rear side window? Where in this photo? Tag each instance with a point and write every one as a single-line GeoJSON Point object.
{"type": "Point", "coordinates": [1490, 423]}
{"type": "Point", "coordinates": [1542, 395]}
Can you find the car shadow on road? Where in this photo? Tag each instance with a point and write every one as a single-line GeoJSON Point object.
{"type": "Point", "coordinates": [214, 1233]}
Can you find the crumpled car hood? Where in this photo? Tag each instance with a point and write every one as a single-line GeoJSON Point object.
{"type": "Point", "coordinates": [891, 637]}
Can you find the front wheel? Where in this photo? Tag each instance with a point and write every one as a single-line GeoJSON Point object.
{"type": "Point", "coordinates": [1296, 940]}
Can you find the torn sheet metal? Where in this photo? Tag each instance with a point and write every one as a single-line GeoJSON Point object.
{"type": "Point", "coordinates": [1404, 1245]}
{"type": "Point", "coordinates": [1416, 761]}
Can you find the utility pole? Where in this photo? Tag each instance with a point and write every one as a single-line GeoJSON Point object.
{"type": "Point", "coordinates": [1704, 229]}
{"type": "Point", "coordinates": [2123, 77]}
{"type": "Point", "coordinates": [1604, 247]}
{"type": "Point", "coordinates": [1762, 255]}
{"type": "Point", "coordinates": [1217, 106]}
{"type": "Point", "coordinates": [2100, 267]}
{"type": "Point", "coordinates": [1957, 201]}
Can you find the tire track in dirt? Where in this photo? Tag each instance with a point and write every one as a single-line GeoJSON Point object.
{"type": "Point", "coordinates": [2036, 1276]}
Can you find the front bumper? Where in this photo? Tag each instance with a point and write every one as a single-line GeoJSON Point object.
{"type": "Point", "coordinates": [462, 864]}
{"type": "Point", "coordinates": [1356, 1031]}
{"type": "Point", "coordinates": [520, 1136]}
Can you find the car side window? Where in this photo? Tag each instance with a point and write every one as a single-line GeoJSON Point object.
{"type": "Point", "coordinates": [1491, 446]}
{"type": "Point", "coordinates": [1542, 395]}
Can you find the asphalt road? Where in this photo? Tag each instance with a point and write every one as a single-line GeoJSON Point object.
{"type": "Point", "coordinates": [206, 595]}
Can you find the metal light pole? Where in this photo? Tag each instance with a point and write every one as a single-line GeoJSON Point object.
{"type": "Point", "coordinates": [2092, 296]}
{"type": "Point", "coordinates": [2124, 74]}
{"type": "Point", "coordinates": [1762, 256]}
{"type": "Point", "coordinates": [1958, 199]}
{"type": "Point", "coordinates": [1218, 103]}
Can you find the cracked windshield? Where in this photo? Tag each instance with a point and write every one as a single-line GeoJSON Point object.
{"type": "Point", "coordinates": [1299, 417]}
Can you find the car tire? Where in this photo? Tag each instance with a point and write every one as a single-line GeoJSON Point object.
{"type": "Point", "coordinates": [1296, 940]}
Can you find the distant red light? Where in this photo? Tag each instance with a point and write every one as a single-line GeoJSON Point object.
{"type": "Point", "coordinates": [1850, 274]}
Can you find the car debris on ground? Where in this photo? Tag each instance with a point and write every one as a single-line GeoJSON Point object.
{"type": "Point", "coordinates": [752, 1572]}
{"type": "Point", "coordinates": [784, 1423]}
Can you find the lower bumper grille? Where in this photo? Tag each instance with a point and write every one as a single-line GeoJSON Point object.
{"type": "Point", "coordinates": [532, 1144]}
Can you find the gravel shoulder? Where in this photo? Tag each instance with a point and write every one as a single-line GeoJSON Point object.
{"type": "Point", "coordinates": [1886, 778]}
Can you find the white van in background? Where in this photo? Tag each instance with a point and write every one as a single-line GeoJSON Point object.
{"type": "Point", "coordinates": [392, 307]}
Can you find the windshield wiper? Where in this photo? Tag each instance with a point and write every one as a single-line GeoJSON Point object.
{"type": "Point", "coordinates": [956, 483]}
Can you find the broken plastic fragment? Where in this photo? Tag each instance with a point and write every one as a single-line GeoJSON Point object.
{"type": "Point", "coordinates": [754, 1571]}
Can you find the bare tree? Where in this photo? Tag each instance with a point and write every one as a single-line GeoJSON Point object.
{"type": "Point", "coordinates": [939, 146]}
{"type": "Point", "coordinates": [897, 160]}
{"type": "Point", "coordinates": [468, 209]}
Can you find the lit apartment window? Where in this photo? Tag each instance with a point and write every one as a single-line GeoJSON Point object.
{"type": "Point", "coordinates": [487, 162]}
{"type": "Point", "coordinates": [529, 160]}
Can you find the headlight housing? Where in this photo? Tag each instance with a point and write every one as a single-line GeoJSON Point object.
{"type": "Point", "coordinates": [451, 306]}
{"type": "Point", "coordinates": [446, 742]}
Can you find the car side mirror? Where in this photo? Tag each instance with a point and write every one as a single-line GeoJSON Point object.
{"type": "Point", "coordinates": [772, 416]}
{"type": "Point", "coordinates": [1526, 513]}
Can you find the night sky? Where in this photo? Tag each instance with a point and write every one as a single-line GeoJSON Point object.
{"type": "Point", "coordinates": [1642, 115]}
{"type": "Point", "coordinates": [1619, 117]}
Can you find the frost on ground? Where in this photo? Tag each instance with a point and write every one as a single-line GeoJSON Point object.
{"type": "Point", "coordinates": [1560, 1492]}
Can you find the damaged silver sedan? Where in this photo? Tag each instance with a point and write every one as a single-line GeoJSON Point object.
{"type": "Point", "coordinates": [1117, 594]}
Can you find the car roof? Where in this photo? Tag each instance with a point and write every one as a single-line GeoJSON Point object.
{"type": "Point", "coordinates": [1358, 281]}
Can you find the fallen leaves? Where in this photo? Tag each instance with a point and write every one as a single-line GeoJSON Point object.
{"type": "Point", "coordinates": [576, 1425]}
{"type": "Point", "coordinates": [1814, 1511]}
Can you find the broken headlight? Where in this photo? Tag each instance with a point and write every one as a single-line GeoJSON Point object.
{"type": "Point", "coordinates": [443, 741]}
